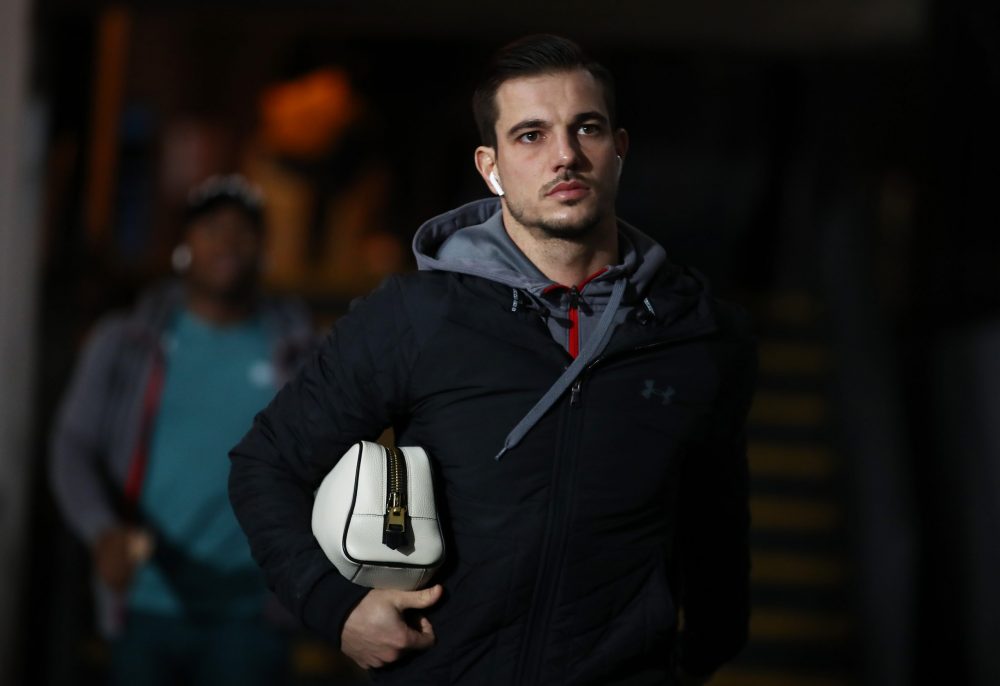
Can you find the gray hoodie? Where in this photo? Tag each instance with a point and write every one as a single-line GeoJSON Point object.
{"type": "Point", "coordinates": [472, 240]}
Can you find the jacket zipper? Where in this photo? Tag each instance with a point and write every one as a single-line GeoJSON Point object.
{"type": "Point", "coordinates": [575, 296]}
{"type": "Point", "coordinates": [574, 322]}
{"type": "Point", "coordinates": [550, 563]}
{"type": "Point", "coordinates": [394, 529]}
{"type": "Point", "coordinates": [574, 391]}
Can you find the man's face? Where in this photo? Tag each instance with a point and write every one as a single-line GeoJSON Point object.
{"type": "Point", "coordinates": [556, 155]}
{"type": "Point", "coordinates": [225, 252]}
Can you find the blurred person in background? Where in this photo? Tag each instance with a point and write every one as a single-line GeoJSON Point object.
{"type": "Point", "coordinates": [138, 455]}
{"type": "Point", "coordinates": [584, 403]}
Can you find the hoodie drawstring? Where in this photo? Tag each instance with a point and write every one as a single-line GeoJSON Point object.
{"type": "Point", "coordinates": [595, 344]}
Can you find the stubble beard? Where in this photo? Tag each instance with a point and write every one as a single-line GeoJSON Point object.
{"type": "Point", "coordinates": [568, 230]}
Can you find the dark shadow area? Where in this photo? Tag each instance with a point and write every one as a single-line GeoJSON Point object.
{"type": "Point", "coordinates": [841, 190]}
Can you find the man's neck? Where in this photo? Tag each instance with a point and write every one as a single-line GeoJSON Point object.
{"type": "Point", "coordinates": [566, 261]}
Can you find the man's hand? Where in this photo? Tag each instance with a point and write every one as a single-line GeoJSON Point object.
{"type": "Point", "coordinates": [375, 632]}
{"type": "Point", "coordinates": [117, 552]}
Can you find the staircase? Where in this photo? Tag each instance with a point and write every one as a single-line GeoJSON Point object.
{"type": "Point", "coordinates": [801, 630]}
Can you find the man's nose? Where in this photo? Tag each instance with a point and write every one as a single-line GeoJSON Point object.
{"type": "Point", "coordinates": [567, 152]}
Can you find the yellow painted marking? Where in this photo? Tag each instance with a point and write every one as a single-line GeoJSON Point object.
{"type": "Point", "coordinates": [804, 359]}
{"type": "Point", "coordinates": [791, 569]}
{"type": "Point", "coordinates": [784, 408]}
{"type": "Point", "coordinates": [786, 625]}
{"type": "Point", "coordinates": [782, 460]}
{"type": "Point", "coordinates": [791, 308]}
{"type": "Point", "coordinates": [793, 514]}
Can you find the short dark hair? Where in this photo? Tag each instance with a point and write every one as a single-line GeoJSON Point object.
{"type": "Point", "coordinates": [225, 191]}
{"type": "Point", "coordinates": [541, 53]}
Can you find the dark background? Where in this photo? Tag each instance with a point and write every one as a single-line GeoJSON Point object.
{"type": "Point", "coordinates": [830, 165]}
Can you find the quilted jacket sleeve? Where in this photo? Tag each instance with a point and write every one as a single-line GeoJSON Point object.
{"type": "Point", "coordinates": [350, 390]}
{"type": "Point", "coordinates": [714, 525]}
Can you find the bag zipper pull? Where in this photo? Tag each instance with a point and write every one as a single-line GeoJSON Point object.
{"type": "Point", "coordinates": [394, 535]}
{"type": "Point", "coordinates": [394, 529]}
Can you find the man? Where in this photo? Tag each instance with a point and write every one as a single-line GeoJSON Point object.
{"type": "Point", "coordinates": [583, 401]}
{"type": "Point", "coordinates": [158, 396]}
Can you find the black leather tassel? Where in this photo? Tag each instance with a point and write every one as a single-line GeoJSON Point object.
{"type": "Point", "coordinates": [394, 528]}
{"type": "Point", "coordinates": [394, 539]}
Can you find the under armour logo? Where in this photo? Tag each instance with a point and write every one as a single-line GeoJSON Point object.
{"type": "Point", "coordinates": [650, 390]}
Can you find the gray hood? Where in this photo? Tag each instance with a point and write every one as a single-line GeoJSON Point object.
{"type": "Point", "coordinates": [472, 240]}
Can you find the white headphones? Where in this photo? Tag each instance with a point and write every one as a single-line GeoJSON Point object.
{"type": "Point", "coordinates": [495, 182]}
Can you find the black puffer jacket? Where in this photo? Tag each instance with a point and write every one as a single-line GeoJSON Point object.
{"type": "Point", "coordinates": [569, 558]}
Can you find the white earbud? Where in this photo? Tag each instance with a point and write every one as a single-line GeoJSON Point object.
{"type": "Point", "coordinates": [180, 258]}
{"type": "Point", "coordinates": [621, 163]}
{"type": "Point", "coordinates": [495, 182]}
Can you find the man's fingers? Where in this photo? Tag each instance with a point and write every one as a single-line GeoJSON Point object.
{"type": "Point", "coordinates": [376, 631]}
{"type": "Point", "coordinates": [423, 639]}
{"type": "Point", "coordinates": [418, 600]}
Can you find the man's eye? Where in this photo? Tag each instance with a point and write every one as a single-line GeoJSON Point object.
{"type": "Point", "coordinates": [590, 129]}
{"type": "Point", "coordinates": [529, 137]}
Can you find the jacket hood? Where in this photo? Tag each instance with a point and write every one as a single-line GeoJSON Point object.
{"type": "Point", "coordinates": [471, 239]}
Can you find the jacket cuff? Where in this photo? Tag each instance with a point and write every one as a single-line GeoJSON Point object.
{"type": "Point", "coordinates": [329, 603]}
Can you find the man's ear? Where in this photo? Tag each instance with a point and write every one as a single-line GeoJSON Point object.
{"type": "Point", "coordinates": [486, 165]}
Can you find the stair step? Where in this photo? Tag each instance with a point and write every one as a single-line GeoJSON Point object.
{"type": "Point", "coordinates": [788, 408]}
{"type": "Point", "coordinates": [781, 460]}
{"type": "Point", "coordinates": [795, 309]}
{"type": "Point", "coordinates": [779, 624]}
{"type": "Point", "coordinates": [796, 569]}
{"type": "Point", "coordinates": [793, 358]}
{"type": "Point", "coordinates": [796, 514]}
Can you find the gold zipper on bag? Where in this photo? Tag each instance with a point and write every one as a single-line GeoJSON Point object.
{"type": "Point", "coordinates": [394, 531]}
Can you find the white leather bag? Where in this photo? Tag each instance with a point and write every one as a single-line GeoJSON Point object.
{"type": "Point", "coordinates": [374, 516]}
